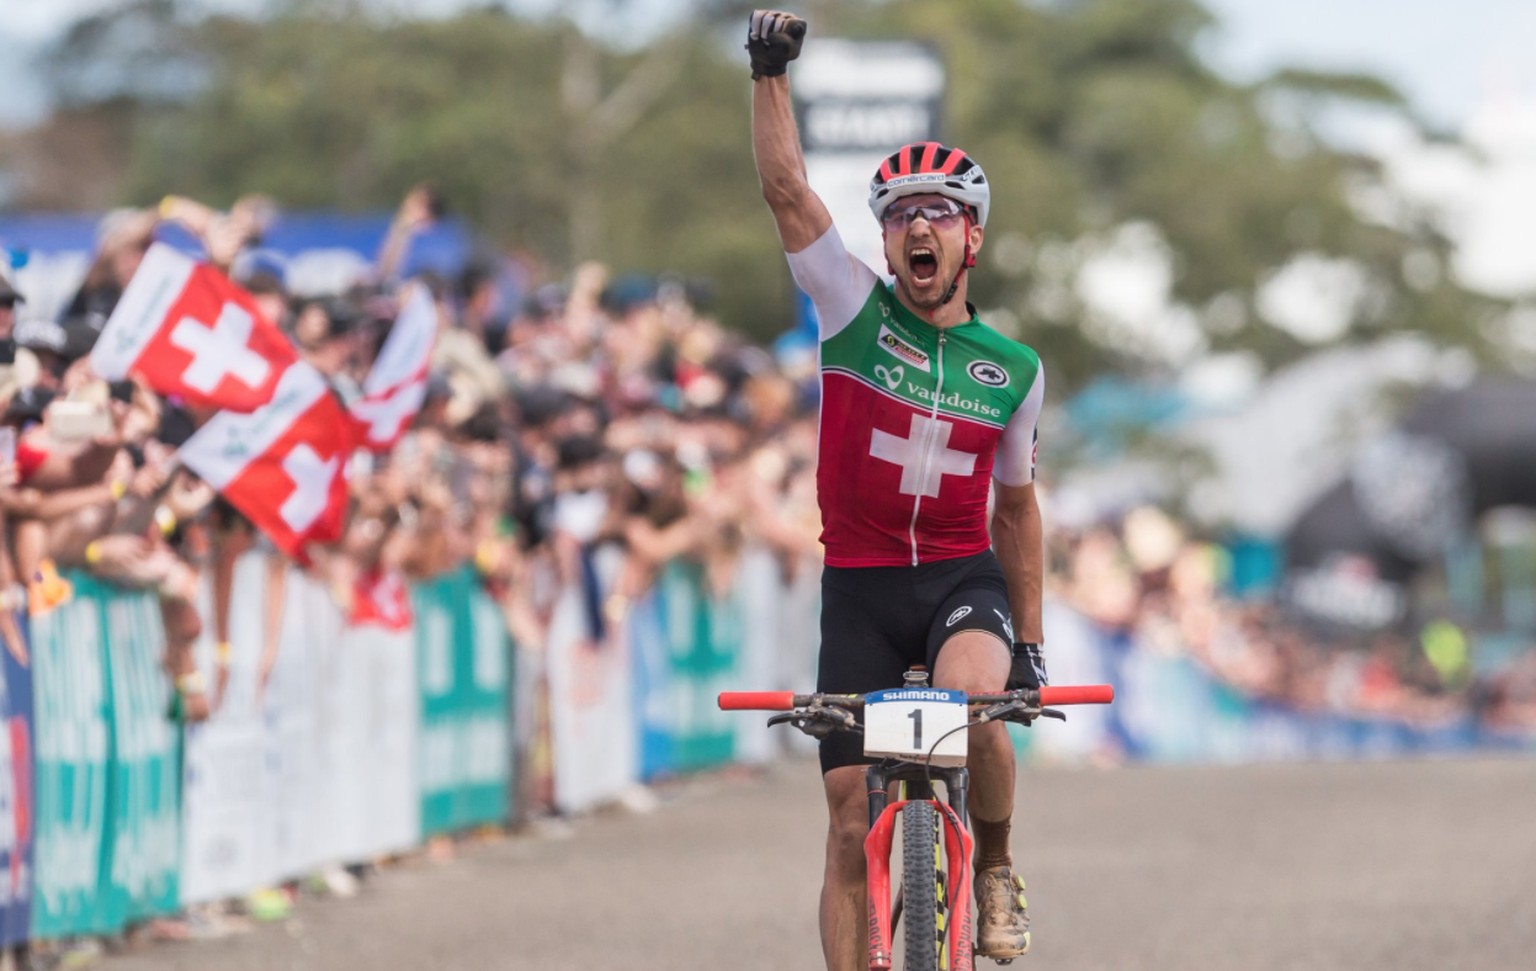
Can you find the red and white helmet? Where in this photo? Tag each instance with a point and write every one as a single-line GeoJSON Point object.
{"type": "Point", "coordinates": [928, 167]}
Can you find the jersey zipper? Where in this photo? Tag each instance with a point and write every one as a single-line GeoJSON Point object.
{"type": "Point", "coordinates": [927, 449]}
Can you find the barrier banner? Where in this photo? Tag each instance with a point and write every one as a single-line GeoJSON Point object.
{"type": "Point", "coordinates": [465, 747]}
{"type": "Point", "coordinates": [226, 804]}
{"type": "Point", "coordinates": [591, 690]}
{"type": "Point", "coordinates": [289, 703]}
{"type": "Point", "coordinates": [651, 663]}
{"type": "Point", "coordinates": [107, 766]}
{"type": "Point", "coordinates": [144, 809]}
{"type": "Point", "coordinates": [758, 599]}
{"type": "Point", "coordinates": [316, 767]}
{"type": "Point", "coordinates": [704, 634]}
{"type": "Point", "coordinates": [16, 809]}
{"type": "Point", "coordinates": [384, 742]}
{"type": "Point", "coordinates": [72, 719]}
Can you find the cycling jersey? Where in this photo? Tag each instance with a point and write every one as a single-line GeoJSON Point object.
{"type": "Point", "coordinates": [915, 419]}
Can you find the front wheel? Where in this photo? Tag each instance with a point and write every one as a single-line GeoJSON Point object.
{"type": "Point", "coordinates": [925, 901]}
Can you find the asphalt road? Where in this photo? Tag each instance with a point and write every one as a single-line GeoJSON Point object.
{"type": "Point", "coordinates": [1355, 867]}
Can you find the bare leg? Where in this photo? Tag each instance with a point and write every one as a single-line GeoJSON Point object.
{"type": "Point", "coordinates": [977, 662]}
{"type": "Point", "coordinates": [844, 922]}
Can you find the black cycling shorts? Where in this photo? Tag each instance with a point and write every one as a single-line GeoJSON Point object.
{"type": "Point", "coordinates": [878, 621]}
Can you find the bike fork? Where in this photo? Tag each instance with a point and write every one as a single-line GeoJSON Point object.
{"type": "Point", "coordinates": [958, 849]}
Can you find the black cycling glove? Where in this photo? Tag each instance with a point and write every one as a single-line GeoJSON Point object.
{"type": "Point", "coordinates": [1028, 670]}
{"type": "Point", "coordinates": [773, 40]}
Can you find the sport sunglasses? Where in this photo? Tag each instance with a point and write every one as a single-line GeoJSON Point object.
{"type": "Point", "coordinates": [943, 213]}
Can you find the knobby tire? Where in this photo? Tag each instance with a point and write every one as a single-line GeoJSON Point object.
{"type": "Point", "coordinates": [925, 907]}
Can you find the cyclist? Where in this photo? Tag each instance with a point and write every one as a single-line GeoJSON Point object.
{"type": "Point", "coordinates": [925, 411]}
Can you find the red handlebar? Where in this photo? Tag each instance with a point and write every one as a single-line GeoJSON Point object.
{"type": "Point", "coordinates": [1077, 694]}
{"type": "Point", "coordinates": [757, 700]}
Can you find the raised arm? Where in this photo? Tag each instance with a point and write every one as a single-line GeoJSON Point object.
{"type": "Point", "coordinates": [773, 39]}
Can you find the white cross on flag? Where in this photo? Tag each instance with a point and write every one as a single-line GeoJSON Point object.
{"type": "Point", "coordinates": [397, 383]}
{"type": "Point", "coordinates": [283, 466]}
{"type": "Point", "coordinates": [381, 598]}
{"type": "Point", "coordinates": [192, 333]}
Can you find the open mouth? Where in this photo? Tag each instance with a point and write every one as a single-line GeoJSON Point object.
{"type": "Point", "coordinates": [923, 264]}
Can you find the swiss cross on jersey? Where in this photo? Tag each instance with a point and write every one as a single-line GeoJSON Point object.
{"type": "Point", "coordinates": [284, 465]}
{"type": "Point", "coordinates": [191, 332]}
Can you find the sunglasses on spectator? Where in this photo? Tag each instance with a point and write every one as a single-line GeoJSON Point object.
{"type": "Point", "coordinates": [944, 213]}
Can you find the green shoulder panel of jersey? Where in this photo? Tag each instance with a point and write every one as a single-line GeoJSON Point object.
{"type": "Point", "coordinates": [986, 375]}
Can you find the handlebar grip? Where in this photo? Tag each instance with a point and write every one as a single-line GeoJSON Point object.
{"type": "Point", "coordinates": [756, 700]}
{"type": "Point", "coordinates": [1077, 694]}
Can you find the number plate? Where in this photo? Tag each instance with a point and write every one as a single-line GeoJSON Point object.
{"type": "Point", "coordinates": [905, 722]}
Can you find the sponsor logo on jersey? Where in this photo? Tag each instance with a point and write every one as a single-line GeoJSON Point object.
{"type": "Point", "coordinates": [891, 376]}
{"type": "Point", "coordinates": [900, 349]}
{"type": "Point", "coordinates": [960, 614]}
{"type": "Point", "coordinates": [987, 373]}
{"type": "Point", "coordinates": [953, 400]}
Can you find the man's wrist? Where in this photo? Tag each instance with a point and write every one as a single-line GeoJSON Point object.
{"type": "Point", "coordinates": [1028, 665]}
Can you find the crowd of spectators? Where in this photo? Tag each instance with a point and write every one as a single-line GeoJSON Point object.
{"type": "Point", "coordinates": [588, 411]}
{"type": "Point", "coordinates": [1142, 575]}
{"type": "Point", "coordinates": [582, 411]}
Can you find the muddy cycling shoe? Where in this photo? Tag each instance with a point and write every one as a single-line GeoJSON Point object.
{"type": "Point", "coordinates": [1002, 931]}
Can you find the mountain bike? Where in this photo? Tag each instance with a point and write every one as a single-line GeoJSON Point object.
{"type": "Point", "coordinates": [918, 734]}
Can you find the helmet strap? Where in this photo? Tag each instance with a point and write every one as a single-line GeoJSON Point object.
{"type": "Point", "coordinates": [965, 264]}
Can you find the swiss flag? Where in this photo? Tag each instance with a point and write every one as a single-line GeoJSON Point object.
{"type": "Point", "coordinates": [397, 383]}
{"type": "Point", "coordinates": [380, 598]}
{"type": "Point", "coordinates": [191, 332]}
{"type": "Point", "coordinates": [283, 466]}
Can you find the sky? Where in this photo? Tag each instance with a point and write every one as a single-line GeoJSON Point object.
{"type": "Point", "coordinates": [1446, 55]}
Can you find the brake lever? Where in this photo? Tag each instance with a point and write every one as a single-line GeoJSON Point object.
{"type": "Point", "coordinates": [818, 721]}
{"type": "Point", "coordinates": [1019, 711]}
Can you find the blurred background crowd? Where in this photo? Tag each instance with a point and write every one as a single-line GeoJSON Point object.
{"type": "Point", "coordinates": [605, 411]}
{"type": "Point", "coordinates": [594, 412]}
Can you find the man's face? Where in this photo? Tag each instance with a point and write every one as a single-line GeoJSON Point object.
{"type": "Point", "coordinates": [7, 316]}
{"type": "Point", "coordinates": [925, 244]}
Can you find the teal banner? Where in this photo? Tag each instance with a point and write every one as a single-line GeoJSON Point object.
{"type": "Point", "coordinates": [466, 748]}
{"type": "Point", "coordinates": [704, 634]}
{"type": "Point", "coordinates": [108, 773]}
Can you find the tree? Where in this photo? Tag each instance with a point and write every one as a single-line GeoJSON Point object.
{"type": "Point", "coordinates": [1096, 120]}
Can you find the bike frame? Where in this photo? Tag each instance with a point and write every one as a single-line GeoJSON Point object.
{"type": "Point", "coordinates": [958, 848]}
{"type": "Point", "coordinates": [821, 708]}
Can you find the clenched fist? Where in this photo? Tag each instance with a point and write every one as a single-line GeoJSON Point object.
{"type": "Point", "coordinates": [773, 40]}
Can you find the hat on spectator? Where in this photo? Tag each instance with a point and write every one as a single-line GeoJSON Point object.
{"type": "Point", "coordinates": [579, 450]}
{"type": "Point", "coordinates": [261, 271]}
{"type": "Point", "coordinates": [80, 335]}
{"type": "Point", "coordinates": [577, 378]}
{"type": "Point", "coordinates": [37, 334]}
{"type": "Point", "coordinates": [546, 301]}
{"type": "Point", "coordinates": [541, 403]}
{"type": "Point", "coordinates": [438, 386]}
{"type": "Point", "coordinates": [125, 227]}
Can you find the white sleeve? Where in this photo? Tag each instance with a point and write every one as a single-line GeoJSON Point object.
{"type": "Point", "coordinates": [1015, 461]}
{"type": "Point", "coordinates": [837, 282]}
